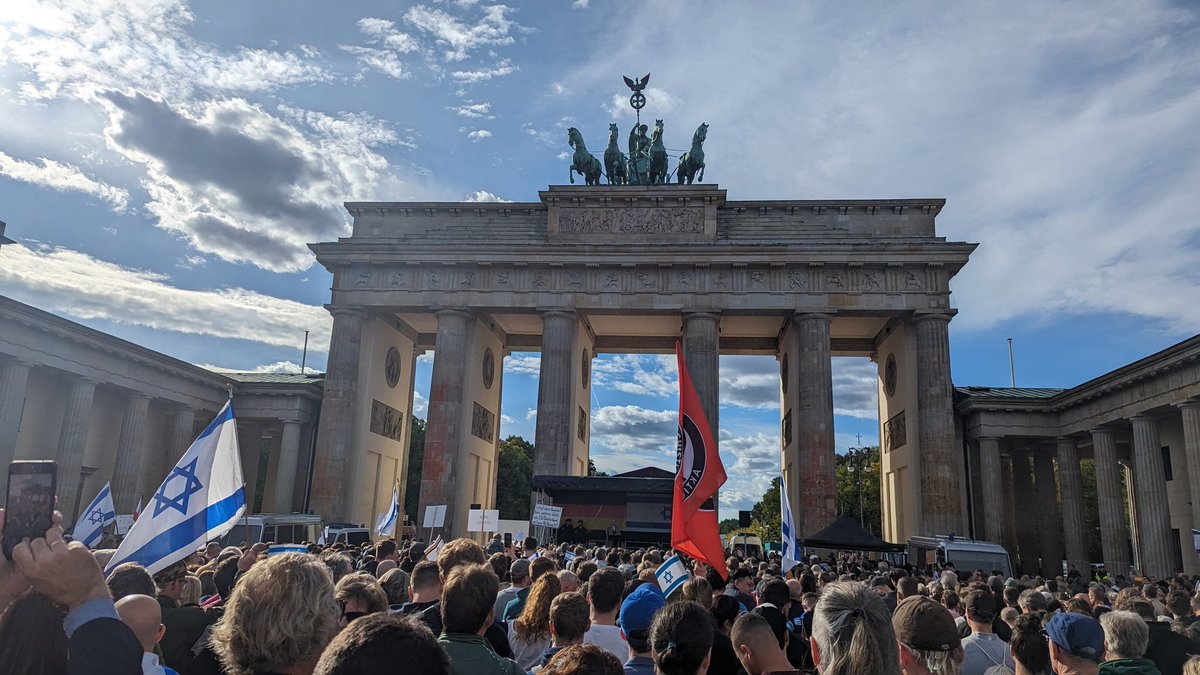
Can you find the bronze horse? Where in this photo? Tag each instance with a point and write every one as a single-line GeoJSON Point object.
{"type": "Point", "coordinates": [658, 155]}
{"type": "Point", "coordinates": [614, 160]}
{"type": "Point", "coordinates": [582, 162]}
{"type": "Point", "coordinates": [693, 160]}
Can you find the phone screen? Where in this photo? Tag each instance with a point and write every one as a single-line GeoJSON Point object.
{"type": "Point", "coordinates": [29, 510]}
{"type": "Point", "coordinates": [508, 540]}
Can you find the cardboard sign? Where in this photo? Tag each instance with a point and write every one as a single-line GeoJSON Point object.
{"type": "Point", "coordinates": [435, 516]}
{"type": "Point", "coordinates": [483, 520]}
{"type": "Point", "coordinates": [124, 522]}
{"type": "Point", "coordinates": [546, 515]}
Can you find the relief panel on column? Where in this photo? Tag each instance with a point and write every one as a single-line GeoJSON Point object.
{"type": "Point", "coordinates": [481, 411]}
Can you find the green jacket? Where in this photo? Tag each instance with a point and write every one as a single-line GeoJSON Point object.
{"type": "Point", "coordinates": [1129, 667]}
{"type": "Point", "coordinates": [472, 655]}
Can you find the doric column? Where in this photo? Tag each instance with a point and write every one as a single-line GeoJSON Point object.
{"type": "Point", "coordinates": [72, 439]}
{"type": "Point", "coordinates": [1114, 530]}
{"type": "Point", "coordinates": [1049, 526]}
{"type": "Point", "coordinates": [285, 469]}
{"type": "Point", "coordinates": [814, 423]}
{"type": "Point", "coordinates": [992, 488]}
{"type": "Point", "coordinates": [333, 465]}
{"type": "Point", "coordinates": [1026, 526]}
{"type": "Point", "coordinates": [1154, 518]}
{"type": "Point", "coordinates": [1191, 447]}
{"type": "Point", "coordinates": [156, 465]}
{"type": "Point", "coordinates": [1009, 533]}
{"type": "Point", "coordinates": [941, 500]}
{"type": "Point", "coordinates": [14, 375]}
{"type": "Point", "coordinates": [130, 453]}
{"type": "Point", "coordinates": [443, 432]}
{"type": "Point", "coordinates": [702, 352]}
{"type": "Point", "coordinates": [1070, 485]}
{"type": "Point", "coordinates": [555, 411]}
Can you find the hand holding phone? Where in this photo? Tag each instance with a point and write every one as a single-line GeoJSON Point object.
{"type": "Point", "coordinates": [29, 511]}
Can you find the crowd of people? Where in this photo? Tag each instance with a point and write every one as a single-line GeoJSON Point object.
{"type": "Point", "coordinates": [572, 609]}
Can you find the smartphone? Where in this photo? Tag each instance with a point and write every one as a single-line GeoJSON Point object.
{"type": "Point", "coordinates": [508, 540]}
{"type": "Point", "coordinates": [29, 509]}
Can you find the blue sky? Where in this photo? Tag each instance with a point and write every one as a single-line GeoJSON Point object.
{"type": "Point", "coordinates": [162, 165]}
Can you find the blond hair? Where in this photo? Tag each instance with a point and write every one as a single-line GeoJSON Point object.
{"type": "Point", "coordinates": [189, 592]}
{"type": "Point", "coordinates": [281, 614]}
{"type": "Point", "coordinates": [853, 631]}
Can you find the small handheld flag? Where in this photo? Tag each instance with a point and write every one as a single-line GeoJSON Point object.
{"type": "Point", "coordinates": [137, 510]}
{"type": "Point", "coordinates": [95, 518]}
{"type": "Point", "coordinates": [790, 550]}
{"type": "Point", "coordinates": [276, 549]}
{"type": "Point", "coordinates": [671, 575]}
{"type": "Point", "coordinates": [387, 521]}
{"type": "Point", "coordinates": [200, 500]}
{"type": "Point", "coordinates": [434, 548]}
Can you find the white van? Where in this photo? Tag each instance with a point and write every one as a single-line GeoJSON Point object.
{"type": "Point", "coordinates": [275, 528]}
{"type": "Point", "coordinates": [966, 555]}
{"type": "Point", "coordinates": [346, 533]}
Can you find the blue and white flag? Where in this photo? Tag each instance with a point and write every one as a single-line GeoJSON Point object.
{"type": "Point", "coordinates": [95, 518]}
{"type": "Point", "coordinates": [568, 557]}
{"type": "Point", "coordinates": [200, 500]}
{"type": "Point", "coordinates": [387, 522]}
{"type": "Point", "coordinates": [276, 549]}
{"type": "Point", "coordinates": [671, 575]}
{"type": "Point", "coordinates": [790, 549]}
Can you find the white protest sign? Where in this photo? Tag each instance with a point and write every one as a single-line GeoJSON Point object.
{"type": "Point", "coordinates": [491, 520]}
{"type": "Point", "coordinates": [124, 522]}
{"type": "Point", "coordinates": [475, 520]}
{"type": "Point", "coordinates": [435, 516]}
{"type": "Point", "coordinates": [546, 515]}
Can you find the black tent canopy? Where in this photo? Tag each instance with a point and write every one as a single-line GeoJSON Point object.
{"type": "Point", "coordinates": [846, 534]}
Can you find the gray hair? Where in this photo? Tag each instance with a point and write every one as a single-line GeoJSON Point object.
{"type": "Point", "coordinates": [949, 580]}
{"type": "Point", "coordinates": [938, 663]}
{"type": "Point", "coordinates": [1125, 634]}
{"type": "Point", "coordinates": [853, 631]}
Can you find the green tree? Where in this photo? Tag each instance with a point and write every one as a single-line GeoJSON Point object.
{"type": "Point", "coordinates": [514, 478]}
{"type": "Point", "coordinates": [728, 525]}
{"type": "Point", "coordinates": [764, 517]}
{"type": "Point", "coordinates": [416, 459]}
{"type": "Point", "coordinates": [592, 469]}
{"type": "Point", "coordinates": [858, 493]}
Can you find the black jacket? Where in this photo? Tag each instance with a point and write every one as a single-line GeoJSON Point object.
{"type": "Point", "coordinates": [1169, 650]}
{"type": "Point", "coordinates": [104, 647]}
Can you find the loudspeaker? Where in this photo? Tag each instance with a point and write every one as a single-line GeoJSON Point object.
{"type": "Point", "coordinates": [743, 519]}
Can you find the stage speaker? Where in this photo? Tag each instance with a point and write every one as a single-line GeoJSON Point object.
{"type": "Point", "coordinates": [743, 519]}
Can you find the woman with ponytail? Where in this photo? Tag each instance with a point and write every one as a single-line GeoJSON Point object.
{"type": "Point", "coordinates": [852, 632]}
{"type": "Point", "coordinates": [681, 639]}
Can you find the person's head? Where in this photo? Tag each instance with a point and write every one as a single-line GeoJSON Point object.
{"type": "Point", "coordinates": [426, 581]}
{"type": "Point", "coordinates": [1179, 604]}
{"type": "Point", "coordinates": [1192, 666]}
{"type": "Point", "coordinates": [279, 617]}
{"type": "Point", "coordinates": [1009, 616]}
{"type": "Point", "coordinates": [569, 620]}
{"type": "Point", "coordinates": [519, 573]}
{"type": "Point", "coordinates": [1126, 635]}
{"type": "Point", "coordinates": [1028, 644]}
{"type": "Point", "coordinates": [755, 644]}
{"type": "Point", "coordinates": [583, 660]}
{"type": "Point", "coordinates": [698, 590]}
{"type": "Point", "coordinates": [385, 550]}
{"type": "Point", "coordinates": [1076, 642]}
{"type": "Point", "coordinates": [980, 610]}
{"type": "Point", "coordinates": [568, 581]}
{"type": "Point", "coordinates": [416, 552]}
{"type": "Point", "coordinates": [928, 639]}
{"type": "Point", "coordinates": [1098, 596]}
{"type": "Point", "coordinates": [742, 580]}
{"type": "Point", "coordinates": [852, 632]}
{"type": "Point", "coordinates": [170, 580]}
{"type": "Point", "coordinates": [358, 595]}
{"type": "Point", "coordinates": [190, 590]}
{"type": "Point", "coordinates": [143, 615]}
{"type": "Point", "coordinates": [681, 639]}
{"type": "Point", "coordinates": [906, 587]}
{"type": "Point", "coordinates": [395, 584]}
{"type": "Point", "coordinates": [459, 552]}
{"type": "Point", "coordinates": [544, 565]}
{"type": "Point", "coordinates": [500, 564]}
{"type": "Point", "coordinates": [339, 564]}
{"type": "Point", "coordinates": [534, 622]}
{"type": "Point", "coordinates": [725, 611]}
{"type": "Point", "coordinates": [33, 619]}
{"type": "Point", "coordinates": [604, 590]}
{"type": "Point", "coordinates": [637, 615]}
{"type": "Point", "coordinates": [1032, 602]}
{"type": "Point", "coordinates": [774, 591]}
{"type": "Point", "coordinates": [530, 543]}
{"type": "Point", "coordinates": [1137, 605]}
{"type": "Point", "coordinates": [130, 579]}
{"type": "Point", "coordinates": [370, 646]}
{"type": "Point", "coordinates": [468, 599]}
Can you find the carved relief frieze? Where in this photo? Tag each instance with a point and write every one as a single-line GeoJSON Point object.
{"type": "Point", "coordinates": [631, 220]}
{"type": "Point", "coordinates": [483, 423]}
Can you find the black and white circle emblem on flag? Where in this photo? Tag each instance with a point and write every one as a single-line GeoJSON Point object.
{"type": "Point", "coordinates": [690, 455]}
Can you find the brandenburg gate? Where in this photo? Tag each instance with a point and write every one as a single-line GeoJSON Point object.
{"type": "Point", "coordinates": [597, 269]}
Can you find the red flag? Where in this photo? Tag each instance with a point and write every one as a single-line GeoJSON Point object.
{"type": "Point", "coordinates": [698, 476]}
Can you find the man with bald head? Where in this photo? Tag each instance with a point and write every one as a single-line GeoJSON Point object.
{"type": "Point", "coordinates": [143, 615]}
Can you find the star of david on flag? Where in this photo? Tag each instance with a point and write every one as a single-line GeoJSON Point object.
{"type": "Point", "coordinates": [671, 575]}
{"type": "Point", "coordinates": [94, 518]}
{"type": "Point", "coordinates": [200, 499]}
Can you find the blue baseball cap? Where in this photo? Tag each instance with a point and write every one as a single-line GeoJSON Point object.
{"type": "Point", "coordinates": [1080, 635]}
{"type": "Point", "coordinates": [639, 609]}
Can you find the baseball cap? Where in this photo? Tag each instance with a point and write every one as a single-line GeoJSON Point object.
{"type": "Point", "coordinates": [1081, 635]}
{"type": "Point", "coordinates": [923, 624]}
{"type": "Point", "coordinates": [519, 569]}
{"type": "Point", "coordinates": [639, 609]}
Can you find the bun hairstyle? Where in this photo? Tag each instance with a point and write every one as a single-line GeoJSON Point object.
{"type": "Point", "coordinates": [681, 638]}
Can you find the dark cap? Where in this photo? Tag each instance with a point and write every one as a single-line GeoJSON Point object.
{"type": "Point", "coordinates": [519, 569]}
{"type": "Point", "coordinates": [981, 606]}
{"type": "Point", "coordinates": [1081, 635]}
{"type": "Point", "coordinates": [921, 623]}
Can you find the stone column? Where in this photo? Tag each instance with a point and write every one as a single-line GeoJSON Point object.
{"type": "Point", "coordinates": [285, 470]}
{"type": "Point", "coordinates": [1026, 524]}
{"type": "Point", "coordinates": [156, 465]}
{"type": "Point", "coordinates": [1070, 485]}
{"type": "Point", "coordinates": [1191, 447]}
{"type": "Point", "coordinates": [14, 376]}
{"type": "Point", "coordinates": [992, 488]}
{"type": "Point", "coordinates": [334, 460]}
{"type": "Point", "coordinates": [556, 381]}
{"type": "Point", "coordinates": [130, 453]}
{"type": "Point", "coordinates": [443, 431]}
{"type": "Point", "coordinates": [941, 500]}
{"type": "Point", "coordinates": [814, 423]}
{"type": "Point", "coordinates": [1049, 525]}
{"type": "Point", "coordinates": [1010, 525]}
{"type": "Point", "coordinates": [1114, 530]}
{"type": "Point", "coordinates": [72, 439]}
{"type": "Point", "coordinates": [1154, 518]}
{"type": "Point", "coordinates": [701, 353]}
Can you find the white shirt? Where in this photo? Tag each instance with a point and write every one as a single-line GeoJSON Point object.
{"type": "Point", "coordinates": [609, 639]}
{"type": "Point", "coordinates": [150, 664]}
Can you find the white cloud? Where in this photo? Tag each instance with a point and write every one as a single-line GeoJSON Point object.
{"type": "Point", "coordinates": [474, 110]}
{"type": "Point", "coordinates": [855, 388]}
{"type": "Point", "coordinates": [82, 287]}
{"type": "Point", "coordinates": [383, 60]}
{"type": "Point", "coordinates": [501, 69]}
{"type": "Point", "coordinates": [63, 178]}
{"type": "Point", "coordinates": [522, 363]}
{"type": "Point", "coordinates": [643, 375]}
{"type": "Point", "coordinates": [581, 4]}
{"type": "Point", "coordinates": [266, 368]}
{"type": "Point", "coordinates": [479, 134]}
{"type": "Point", "coordinates": [191, 262]}
{"type": "Point", "coordinates": [457, 38]}
{"type": "Point", "coordinates": [389, 46]}
{"type": "Point", "coordinates": [559, 89]}
{"type": "Point", "coordinates": [420, 405]}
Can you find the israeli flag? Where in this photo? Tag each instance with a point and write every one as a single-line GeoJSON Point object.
{"type": "Point", "coordinates": [201, 499]}
{"type": "Point", "coordinates": [568, 557]}
{"type": "Point", "coordinates": [95, 518]}
{"type": "Point", "coordinates": [276, 549]}
{"type": "Point", "coordinates": [387, 522]}
{"type": "Point", "coordinates": [671, 575]}
{"type": "Point", "coordinates": [789, 547]}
